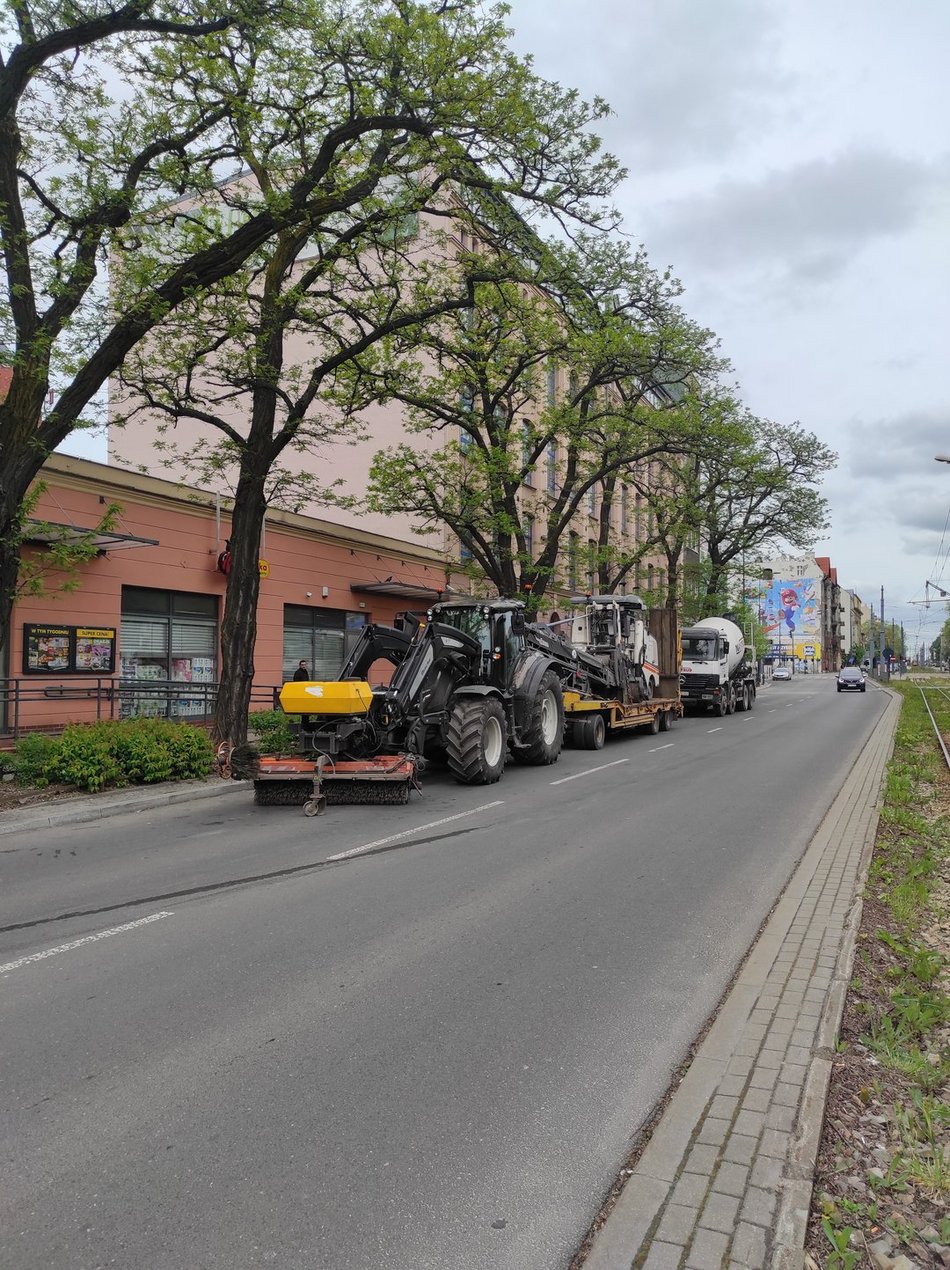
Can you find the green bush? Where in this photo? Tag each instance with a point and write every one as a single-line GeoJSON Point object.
{"type": "Point", "coordinates": [274, 730]}
{"type": "Point", "coordinates": [32, 757]}
{"type": "Point", "coordinates": [134, 751]}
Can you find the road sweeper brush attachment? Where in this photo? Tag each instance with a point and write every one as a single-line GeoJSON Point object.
{"type": "Point", "coordinates": [315, 783]}
{"type": "Point", "coordinates": [388, 780]}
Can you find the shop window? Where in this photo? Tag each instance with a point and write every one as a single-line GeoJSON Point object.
{"type": "Point", "coordinates": [320, 637]}
{"type": "Point", "coordinates": [168, 638]}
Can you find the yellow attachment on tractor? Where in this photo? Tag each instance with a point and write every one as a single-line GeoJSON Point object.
{"type": "Point", "coordinates": [351, 696]}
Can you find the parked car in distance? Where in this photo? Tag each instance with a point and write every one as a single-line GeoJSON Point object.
{"type": "Point", "coordinates": [781, 672]}
{"type": "Point", "coordinates": [851, 677]}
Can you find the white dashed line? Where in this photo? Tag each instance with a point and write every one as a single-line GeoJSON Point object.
{"type": "Point", "coordinates": [656, 749]}
{"type": "Point", "coordinates": [719, 729]}
{"type": "Point", "coordinates": [78, 943]}
{"type": "Point", "coordinates": [406, 833]}
{"type": "Point", "coordinates": [590, 771]}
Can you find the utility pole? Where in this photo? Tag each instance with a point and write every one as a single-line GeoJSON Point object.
{"type": "Point", "coordinates": [882, 628]}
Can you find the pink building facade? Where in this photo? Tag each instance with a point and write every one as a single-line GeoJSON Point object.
{"type": "Point", "coordinates": [140, 633]}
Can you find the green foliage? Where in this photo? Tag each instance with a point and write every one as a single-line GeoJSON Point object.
{"type": "Point", "coordinates": [841, 1257]}
{"type": "Point", "coordinates": [92, 756]}
{"type": "Point", "coordinates": [31, 758]}
{"type": "Point", "coordinates": [274, 730]}
{"type": "Point", "coordinates": [53, 563]}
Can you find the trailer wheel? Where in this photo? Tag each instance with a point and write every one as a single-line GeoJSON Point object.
{"type": "Point", "coordinates": [544, 733]}
{"type": "Point", "coordinates": [653, 726]}
{"type": "Point", "coordinates": [590, 734]}
{"type": "Point", "coordinates": [666, 720]}
{"type": "Point", "coordinates": [476, 740]}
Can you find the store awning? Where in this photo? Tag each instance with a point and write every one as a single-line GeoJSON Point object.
{"type": "Point", "coordinates": [47, 532]}
{"type": "Point", "coordinates": [403, 590]}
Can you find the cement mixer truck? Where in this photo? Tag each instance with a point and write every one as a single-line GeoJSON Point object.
{"type": "Point", "coordinates": [718, 670]}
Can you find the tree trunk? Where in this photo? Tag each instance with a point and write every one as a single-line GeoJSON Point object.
{"type": "Point", "coordinates": [239, 625]}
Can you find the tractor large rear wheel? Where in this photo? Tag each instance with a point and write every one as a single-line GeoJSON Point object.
{"type": "Point", "coordinates": [476, 740]}
{"type": "Point", "coordinates": [544, 733]}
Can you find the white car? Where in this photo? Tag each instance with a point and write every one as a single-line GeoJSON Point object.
{"type": "Point", "coordinates": [781, 672]}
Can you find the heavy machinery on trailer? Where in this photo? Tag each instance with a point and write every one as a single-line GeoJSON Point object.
{"type": "Point", "coordinates": [719, 670]}
{"type": "Point", "coordinates": [626, 656]}
{"type": "Point", "coordinates": [471, 684]}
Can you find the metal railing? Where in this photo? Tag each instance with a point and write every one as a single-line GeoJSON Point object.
{"type": "Point", "coordinates": [28, 704]}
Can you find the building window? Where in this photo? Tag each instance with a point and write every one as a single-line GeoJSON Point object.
{"type": "Point", "coordinates": [168, 638]}
{"type": "Point", "coordinates": [592, 501]}
{"type": "Point", "coordinates": [552, 468]}
{"type": "Point", "coordinates": [573, 560]}
{"type": "Point", "coordinates": [320, 637]}
{"type": "Point", "coordinates": [591, 564]}
{"type": "Point", "coordinates": [526, 448]}
{"type": "Point", "coordinates": [529, 537]}
{"type": "Point", "coordinates": [552, 384]}
{"type": "Point", "coordinates": [624, 509]}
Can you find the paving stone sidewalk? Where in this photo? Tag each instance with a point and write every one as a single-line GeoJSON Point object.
{"type": "Point", "coordinates": [726, 1179]}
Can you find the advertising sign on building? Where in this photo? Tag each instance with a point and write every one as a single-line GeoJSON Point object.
{"type": "Point", "coordinates": [64, 650]}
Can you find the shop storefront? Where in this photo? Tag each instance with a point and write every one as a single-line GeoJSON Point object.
{"type": "Point", "coordinates": [169, 639]}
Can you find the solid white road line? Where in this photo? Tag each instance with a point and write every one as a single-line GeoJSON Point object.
{"type": "Point", "coordinates": [603, 767]}
{"type": "Point", "coordinates": [406, 833]}
{"type": "Point", "coordinates": [78, 943]}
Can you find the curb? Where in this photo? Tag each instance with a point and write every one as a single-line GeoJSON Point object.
{"type": "Point", "coordinates": [71, 811]}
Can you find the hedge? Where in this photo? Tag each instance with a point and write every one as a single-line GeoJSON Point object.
{"type": "Point", "coordinates": [118, 752]}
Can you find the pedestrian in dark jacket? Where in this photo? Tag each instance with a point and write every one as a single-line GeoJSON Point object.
{"type": "Point", "coordinates": [301, 673]}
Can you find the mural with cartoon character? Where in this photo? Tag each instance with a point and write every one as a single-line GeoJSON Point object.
{"type": "Point", "coordinates": [790, 613]}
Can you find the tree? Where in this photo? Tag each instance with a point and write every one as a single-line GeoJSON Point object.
{"type": "Point", "coordinates": [118, 123]}
{"type": "Point", "coordinates": [511, 456]}
{"type": "Point", "coordinates": [263, 360]}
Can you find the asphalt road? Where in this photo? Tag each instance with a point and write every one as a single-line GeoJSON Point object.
{"type": "Point", "coordinates": [433, 1052]}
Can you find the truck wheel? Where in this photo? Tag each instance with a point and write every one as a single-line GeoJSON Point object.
{"type": "Point", "coordinates": [731, 700]}
{"type": "Point", "coordinates": [476, 740]}
{"type": "Point", "coordinates": [544, 733]}
{"type": "Point", "coordinates": [666, 720]}
{"type": "Point", "coordinates": [590, 734]}
{"type": "Point", "coordinates": [653, 726]}
{"type": "Point", "coordinates": [742, 698]}
{"type": "Point", "coordinates": [721, 708]}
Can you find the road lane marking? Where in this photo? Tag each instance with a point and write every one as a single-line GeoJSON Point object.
{"type": "Point", "coordinates": [406, 833]}
{"type": "Point", "coordinates": [719, 729]}
{"type": "Point", "coordinates": [78, 943]}
{"type": "Point", "coordinates": [603, 767]}
{"type": "Point", "coordinates": [656, 749]}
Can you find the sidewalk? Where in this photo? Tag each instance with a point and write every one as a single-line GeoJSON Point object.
{"type": "Point", "coordinates": [89, 807]}
{"type": "Point", "coordinates": [726, 1178]}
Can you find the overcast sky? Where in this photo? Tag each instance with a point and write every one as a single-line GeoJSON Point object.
{"type": "Point", "coordinates": [792, 163]}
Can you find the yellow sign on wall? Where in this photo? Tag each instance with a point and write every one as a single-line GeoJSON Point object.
{"type": "Point", "coordinates": [263, 568]}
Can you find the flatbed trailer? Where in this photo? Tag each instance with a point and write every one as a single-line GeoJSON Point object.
{"type": "Point", "coordinates": [591, 721]}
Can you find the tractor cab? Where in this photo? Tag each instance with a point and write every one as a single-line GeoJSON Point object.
{"type": "Point", "coordinates": [498, 629]}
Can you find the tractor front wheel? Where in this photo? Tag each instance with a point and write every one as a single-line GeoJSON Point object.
{"type": "Point", "coordinates": [543, 734]}
{"type": "Point", "coordinates": [476, 740]}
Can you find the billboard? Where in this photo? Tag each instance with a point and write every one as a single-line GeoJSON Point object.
{"type": "Point", "coordinates": [790, 611]}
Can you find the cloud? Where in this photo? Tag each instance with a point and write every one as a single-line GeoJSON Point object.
{"type": "Point", "coordinates": [901, 446]}
{"type": "Point", "coordinates": [686, 81]}
{"type": "Point", "coordinates": [808, 220]}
